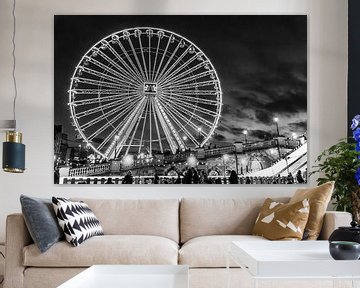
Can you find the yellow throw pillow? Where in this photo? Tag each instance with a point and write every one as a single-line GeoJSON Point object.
{"type": "Point", "coordinates": [319, 198]}
{"type": "Point", "coordinates": [279, 221]}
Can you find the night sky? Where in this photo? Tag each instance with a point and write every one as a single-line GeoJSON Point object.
{"type": "Point", "coordinates": [261, 62]}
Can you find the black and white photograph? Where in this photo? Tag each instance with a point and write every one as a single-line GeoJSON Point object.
{"type": "Point", "coordinates": [180, 99]}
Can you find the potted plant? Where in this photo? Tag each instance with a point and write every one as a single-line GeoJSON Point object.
{"type": "Point", "coordinates": [341, 163]}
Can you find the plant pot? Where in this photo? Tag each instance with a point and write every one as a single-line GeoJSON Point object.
{"type": "Point", "coordinates": [350, 234]}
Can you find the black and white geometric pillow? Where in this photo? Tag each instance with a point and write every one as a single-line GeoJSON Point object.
{"type": "Point", "coordinates": [77, 220]}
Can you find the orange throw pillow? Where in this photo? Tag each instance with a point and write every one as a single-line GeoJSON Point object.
{"type": "Point", "coordinates": [279, 221]}
{"type": "Point", "coordinates": [319, 198]}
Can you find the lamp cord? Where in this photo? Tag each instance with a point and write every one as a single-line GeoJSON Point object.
{"type": "Point", "coordinates": [14, 58]}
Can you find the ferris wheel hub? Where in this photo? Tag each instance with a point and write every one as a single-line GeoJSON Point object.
{"type": "Point", "coordinates": [150, 88]}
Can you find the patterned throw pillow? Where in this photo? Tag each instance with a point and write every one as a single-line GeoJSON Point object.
{"type": "Point", "coordinates": [77, 220]}
{"type": "Point", "coordinates": [279, 221]}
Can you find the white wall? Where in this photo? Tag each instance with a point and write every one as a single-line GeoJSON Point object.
{"type": "Point", "coordinates": [327, 88]}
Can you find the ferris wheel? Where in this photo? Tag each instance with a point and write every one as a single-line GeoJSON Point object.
{"type": "Point", "coordinates": [144, 89]}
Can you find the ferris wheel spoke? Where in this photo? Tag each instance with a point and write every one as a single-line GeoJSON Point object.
{"type": "Point", "coordinates": [114, 105]}
{"type": "Point", "coordinates": [156, 125]}
{"type": "Point", "coordinates": [192, 78]}
{"type": "Point", "coordinates": [143, 57]}
{"type": "Point", "coordinates": [96, 82]}
{"type": "Point", "coordinates": [112, 121]}
{"type": "Point", "coordinates": [122, 134]}
{"type": "Point", "coordinates": [176, 115]}
{"type": "Point", "coordinates": [171, 68]}
{"type": "Point", "coordinates": [149, 54]}
{"type": "Point", "coordinates": [167, 133]}
{"type": "Point", "coordinates": [194, 92]}
{"type": "Point", "coordinates": [106, 115]}
{"type": "Point", "coordinates": [194, 107]}
{"type": "Point", "coordinates": [190, 124]}
{"type": "Point", "coordinates": [150, 130]}
{"type": "Point", "coordinates": [132, 73]}
{"type": "Point", "coordinates": [115, 64]}
{"type": "Point", "coordinates": [137, 59]}
{"type": "Point", "coordinates": [129, 125]}
{"type": "Point", "coordinates": [168, 61]}
{"type": "Point", "coordinates": [181, 67]}
{"type": "Point", "coordinates": [183, 109]}
{"type": "Point", "coordinates": [143, 129]}
{"type": "Point", "coordinates": [79, 91]}
{"type": "Point", "coordinates": [162, 58]}
{"type": "Point", "coordinates": [123, 96]}
{"type": "Point", "coordinates": [185, 73]}
{"type": "Point", "coordinates": [175, 133]}
{"type": "Point", "coordinates": [131, 62]}
{"type": "Point", "coordinates": [192, 99]}
{"type": "Point", "coordinates": [113, 132]}
{"type": "Point", "coordinates": [195, 85]}
{"type": "Point", "coordinates": [138, 120]}
{"type": "Point", "coordinates": [156, 56]}
{"type": "Point", "coordinates": [183, 128]}
{"type": "Point", "coordinates": [107, 77]}
{"type": "Point", "coordinates": [167, 126]}
{"type": "Point", "coordinates": [123, 74]}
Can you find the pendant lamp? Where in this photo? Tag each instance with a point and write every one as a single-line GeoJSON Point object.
{"type": "Point", "coordinates": [13, 149]}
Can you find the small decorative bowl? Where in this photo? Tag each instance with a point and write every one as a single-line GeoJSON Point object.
{"type": "Point", "coordinates": [344, 250]}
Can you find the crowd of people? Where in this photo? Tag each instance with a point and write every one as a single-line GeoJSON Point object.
{"type": "Point", "coordinates": [193, 176]}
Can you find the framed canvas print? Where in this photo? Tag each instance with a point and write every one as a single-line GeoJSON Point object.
{"type": "Point", "coordinates": [195, 99]}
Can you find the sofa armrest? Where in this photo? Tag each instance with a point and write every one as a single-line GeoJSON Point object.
{"type": "Point", "coordinates": [17, 237]}
{"type": "Point", "coordinates": [333, 220]}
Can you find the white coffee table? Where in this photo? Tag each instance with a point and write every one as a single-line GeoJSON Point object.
{"type": "Point", "coordinates": [131, 276]}
{"type": "Point", "coordinates": [292, 260]}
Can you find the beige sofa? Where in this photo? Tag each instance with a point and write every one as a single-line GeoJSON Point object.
{"type": "Point", "coordinates": [194, 232]}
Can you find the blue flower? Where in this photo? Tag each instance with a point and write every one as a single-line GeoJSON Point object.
{"type": "Point", "coordinates": [356, 134]}
{"type": "Point", "coordinates": [355, 122]}
{"type": "Point", "coordinates": [357, 147]}
{"type": "Point", "coordinates": [357, 176]}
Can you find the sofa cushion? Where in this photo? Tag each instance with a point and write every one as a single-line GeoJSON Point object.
{"type": "Point", "coordinates": [137, 217]}
{"type": "Point", "coordinates": [201, 217]}
{"type": "Point", "coordinates": [107, 249]}
{"type": "Point", "coordinates": [211, 251]}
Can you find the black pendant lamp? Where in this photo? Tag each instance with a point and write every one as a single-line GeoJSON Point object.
{"type": "Point", "coordinates": [13, 153]}
{"type": "Point", "coordinates": [13, 149]}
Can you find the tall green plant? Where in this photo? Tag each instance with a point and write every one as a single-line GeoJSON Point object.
{"type": "Point", "coordinates": [339, 163]}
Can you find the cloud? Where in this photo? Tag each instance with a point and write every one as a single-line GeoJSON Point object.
{"type": "Point", "coordinates": [298, 126]}
{"type": "Point", "coordinates": [263, 116]}
{"type": "Point", "coordinates": [219, 137]}
{"type": "Point", "coordinates": [261, 134]}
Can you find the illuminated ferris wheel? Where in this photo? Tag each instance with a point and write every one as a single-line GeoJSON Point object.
{"type": "Point", "coordinates": [144, 89]}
